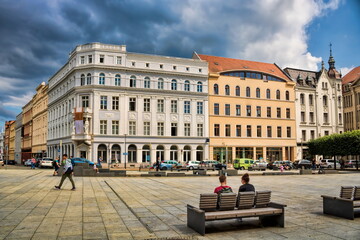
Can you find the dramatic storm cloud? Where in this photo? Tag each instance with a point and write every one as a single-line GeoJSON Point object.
{"type": "Point", "coordinates": [36, 36]}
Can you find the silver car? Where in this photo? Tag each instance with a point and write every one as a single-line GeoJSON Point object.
{"type": "Point", "coordinates": [46, 162]}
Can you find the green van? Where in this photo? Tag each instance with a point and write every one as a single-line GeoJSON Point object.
{"type": "Point", "coordinates": [243, 163]}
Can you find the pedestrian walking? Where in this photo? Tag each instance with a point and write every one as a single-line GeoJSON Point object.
{"type": "Point", "coordinates": [56, 166]}
{"type": "Point", "coordinates": [68, 170]}
{"type": "Point", "coordinates": [33, 162]}
{"type": "Point", "coordinates": [157, 164]}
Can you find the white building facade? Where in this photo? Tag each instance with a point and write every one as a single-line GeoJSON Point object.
{"type": "Point", "coordinates": [318, 105]}
{"type": "Point", "coordinates": [129, 108]}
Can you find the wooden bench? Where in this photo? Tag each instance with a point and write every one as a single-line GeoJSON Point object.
{"type": "Point", "coordinates": [345, 205]}
{"type": "Point", "coordinates": [213, 207]}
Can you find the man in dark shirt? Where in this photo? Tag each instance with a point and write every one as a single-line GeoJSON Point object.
{"type": "Point", "coordinates": [246, 187]}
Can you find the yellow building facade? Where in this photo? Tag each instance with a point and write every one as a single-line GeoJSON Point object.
{"type": "Point", "coordinates": [26, 152]}
{"type": "Point", "coordinates": [252, 110]}
{"type": "Point", "coordinates": [39, 121]}
{"type": "Point", "coordinates": [12, 141]}
{"type": "Point", "coordinates": [351, 98]}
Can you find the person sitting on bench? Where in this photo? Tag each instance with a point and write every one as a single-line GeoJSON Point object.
{"type": "Point", "coordinates": [246, 187]}
{"type": "Point", "coordinates": [223, 188]}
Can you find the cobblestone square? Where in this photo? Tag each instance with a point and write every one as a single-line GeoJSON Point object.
{"type": "Point", "coordinates": [152, 208]}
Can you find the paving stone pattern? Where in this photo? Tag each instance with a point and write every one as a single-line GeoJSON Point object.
{"type": "Point", "coordinates": [155, 207]}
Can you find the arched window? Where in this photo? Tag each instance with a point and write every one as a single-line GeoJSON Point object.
{"type": "Point", "coordinates": [174, 153]}
{"type": "Point", "coordinates": [160, 152]}
{"type": "Point", "coordinates": [132, 81]}
{"type": "Point", "coordinates": [132, 153]}
{"type": "Point", "coordinates": [199, 153]}
{"type": "Point", "coordinates": [277, 94]}
{"type": "Point", "coordinates": [325, 101]}
{"type": "Point", "coordinates": [199, 87]}
{"type": "Point", "coordinates": [187, 86]}
{"type": "Point", "coordinates": [268, 93]}
{"type": "Point", "coordinates": [248, 92]}
{"type": "Point", "coordinates": [117, 80]}
{"type": "Point", "coordinates": [146, 153]}
{"type": "Point", "coordinates": [227, 90]}
{"type": "Point", "coordinates": [287, 95]}
{"type": "Point", "coordinates": [115, 153]}
{"type": "Point", "coordinates": [146, 82]}
{"type": "Point", "coordinates": [102, 79]}
{"type": "Point", "coordinates": [88, 78]}
{"type": "Point", "coordinates": [237, 91]}
{"type": "Point", "coordinates": [216, 89]}
{"type": "Point", "coordinates": [173, 84]}
{"type": "Point", "coordinates": [160, 83]}
{"type": "Point", "coordinates": [302, 98]}
{"type": "Point", "coordinates": [102, 150]}
{"type": "Point", "coordinates": [187, 153]}
{"type": "Point", "coordinates": [258, 92]}
{"type": "Point", "coordinates": [82, 80]}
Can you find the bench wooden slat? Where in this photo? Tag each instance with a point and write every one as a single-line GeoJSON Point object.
{"type": "Point", "coordinates": [245, 200]}
{"type": "Point", "coordinates": [346, 192]}
{"type": "Point", "coordinates": [208, 201]}
{"type": "Point", "coordinates": [242, 213]}
{"type": "Point", "coordinates": [357, 204]}
{"type": "Point", "coordinates": [227, 201]}
{"type": "Point", "coordinates": [357, 193]}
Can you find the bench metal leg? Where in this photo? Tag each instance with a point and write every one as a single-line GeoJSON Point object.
{"type": "Point", "coordinates": [338, 207]}
{"type": "Point", "coordinates": [196, 220]}
{"type": "Point", "coordinates": [275, 220]}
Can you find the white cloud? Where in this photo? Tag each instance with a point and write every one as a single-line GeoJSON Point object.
{"type": "Point", "coordinates": [346, 70]}
{"type": "Point", "coordinates": [18, 101]}
{"type": "Point", "coordinates": [259, 30]}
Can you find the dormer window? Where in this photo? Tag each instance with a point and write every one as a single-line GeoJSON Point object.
{"type": "Point", "coordinates": [133, 64]}
{"type": "Point", "coordinates": [161, 66]}
{"type": "Point", "coordinates": [174, 67]}
{"type": "Point", "coordinates": [147, 65]}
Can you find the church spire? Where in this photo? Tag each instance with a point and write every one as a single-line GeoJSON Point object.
{"type": "Point", "coordinates": [331, 59]}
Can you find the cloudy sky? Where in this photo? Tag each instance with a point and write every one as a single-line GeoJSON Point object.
{"type": "Point", "coordinates": [36, 36]}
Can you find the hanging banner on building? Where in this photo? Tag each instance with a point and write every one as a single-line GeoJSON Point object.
{"type": "Point", "coordinates": [79, 122]}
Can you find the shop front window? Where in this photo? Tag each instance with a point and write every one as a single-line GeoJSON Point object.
{"type": "Point", "coordinates": [273, 154]}
{"type": "Point", "coordinates": [244, 152]}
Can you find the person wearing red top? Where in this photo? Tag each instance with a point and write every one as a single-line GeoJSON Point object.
{"type": "Point", "coordinates": [223, 188]}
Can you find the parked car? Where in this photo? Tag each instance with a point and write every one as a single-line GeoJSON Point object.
{"type": "Point", "coordinates": [243, 163]}
{"type": "Point", "coordinates": [351, 163]}
{"type": "Point", "coordinates": [46, 162]}
{"type": "Point", "coordinates": [307, 164]}
{"type": "Point", "coordinates": [329, 163]}
{"type": "Point", "coordinates": [175, 164]}
{"type": "Point", "coordinates": [27, 162]}
{"type": "Point", "coordinates": [288, 164]}
{"type": "Point", "coordinates": [260, 163]}
{"type": "Point", "coordinates": [192, 165]}
{"type": "Point", "coordinates": [213, 163]}
{"type": "Point", "coordinates": [81, 160]}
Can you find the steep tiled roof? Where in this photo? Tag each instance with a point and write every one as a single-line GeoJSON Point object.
{"type": "Point", "coordinates": [222, 64]}
{"type": "Point", "coordinates": [304, 74]}
{"type": "Point", "coordinates": [351, 76]}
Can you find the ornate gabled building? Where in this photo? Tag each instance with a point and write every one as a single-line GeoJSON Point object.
{"type": "Point", "coordinates": [351, 94]}
{"type": "Point", "coordinates": [319, 109]}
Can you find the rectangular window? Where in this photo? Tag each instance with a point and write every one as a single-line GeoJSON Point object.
{"type": "Point", "coordinates": [278, 112]}
{"type": "Point", "coordinates": [238, 110]}
{"type": "Point", "coordinates": [200, 130]}
{"type": "Point", "coordinates": [258, 111]}
{"type": "Point", "coordinates": [258, 131]}
{"type": "Point", "coordinates": [147, 65]}
{"type": "Point", "coordinates": [132, 128]}
{"type": "Point", "coordinates": [288, 113]}
{"type": "Point", "coordinates": [311, 117]}
{"type": "Point", "coordinates": [115, 127]}
{"type": "Point", "coordinates": [146, 104]}
{"type": "Point", "coordinates": [160, 129]}
{"type": "Point", "coordinates": [227, 109]}
{"type": "Point", "coordinates": [326, 133]}
{"type": "Point", "coordinates": [288, 132]}
{"type": "Point", "coordinates": [269, 131]}
{"type": "Point", "coordinates": [227, 130]}
{"type": "Point", "coordinates": [186, 106]}
{"type": "Point", "coordinates": [90, 58]}
{"type": "Point", "coordinates": [216, 109]}
{"type": "Point", "coordinates": [133, 64]}
{"type": "Point", "coordinates": [103, 102]}
{"type": "Point", "coordinates": [238, 130]}
{"type": "Point", "coordinates": [279, 132]}
{"type": "Point", "coordinates": [102, 57]}
{"type": "Point", "coordinates": [326, 118]}
{"type": "Point", "coordinates": [248, 130]}
{"type": "Point", "coordinates": [85, 101]}
{"type": "Point", "coordinates": [147, 128]}
{"type": "Point", "coordinates": [248, 110]}
{"type": "Point", "coordinates": [161, 66]}
{"type": "Point", "coordinates": [174, 106]}
{"type": "Point", "coordinates": [173, 129]}
{"type": "Point", "coordinates": [200, 108]}
{"type": "Point", "coordinates": [312, 134]}
{"type": "Point", "coordinates": [302, 115]}
{"type": "Point", "coordinates": [82, 60]}
{"type": "Point", "coordinates": [132, 104]}
{"type": "Point", "coordinates": [118, 60]}
{"type": "Point", "coordinates": [187, 129]}
{"type": "Point", "coordinates": [268, 112]}
{"type": "Point", "coordinates": [303, 135]}
{"type": "Point", "coordinates": [115, 103]}
{"type": "Point", "coordinates": [103, 127]}
{"type": "Point", "coordinates": [160, 105]}
{"type": "Point", "coordinates": [216, 130]}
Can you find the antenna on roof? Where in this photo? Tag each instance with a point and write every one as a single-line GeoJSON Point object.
{"type": "Point", "coordinates": [330, 49]}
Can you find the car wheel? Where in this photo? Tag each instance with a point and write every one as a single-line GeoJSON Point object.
{"type": "Point", "coordinates": [329, 166]}
{"type": "Point", "coordinates": [191, 167]}
{"type": "Point", "coordinates": [242, 168]}
{"type": "Point", "coordinates": [164, 168]}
